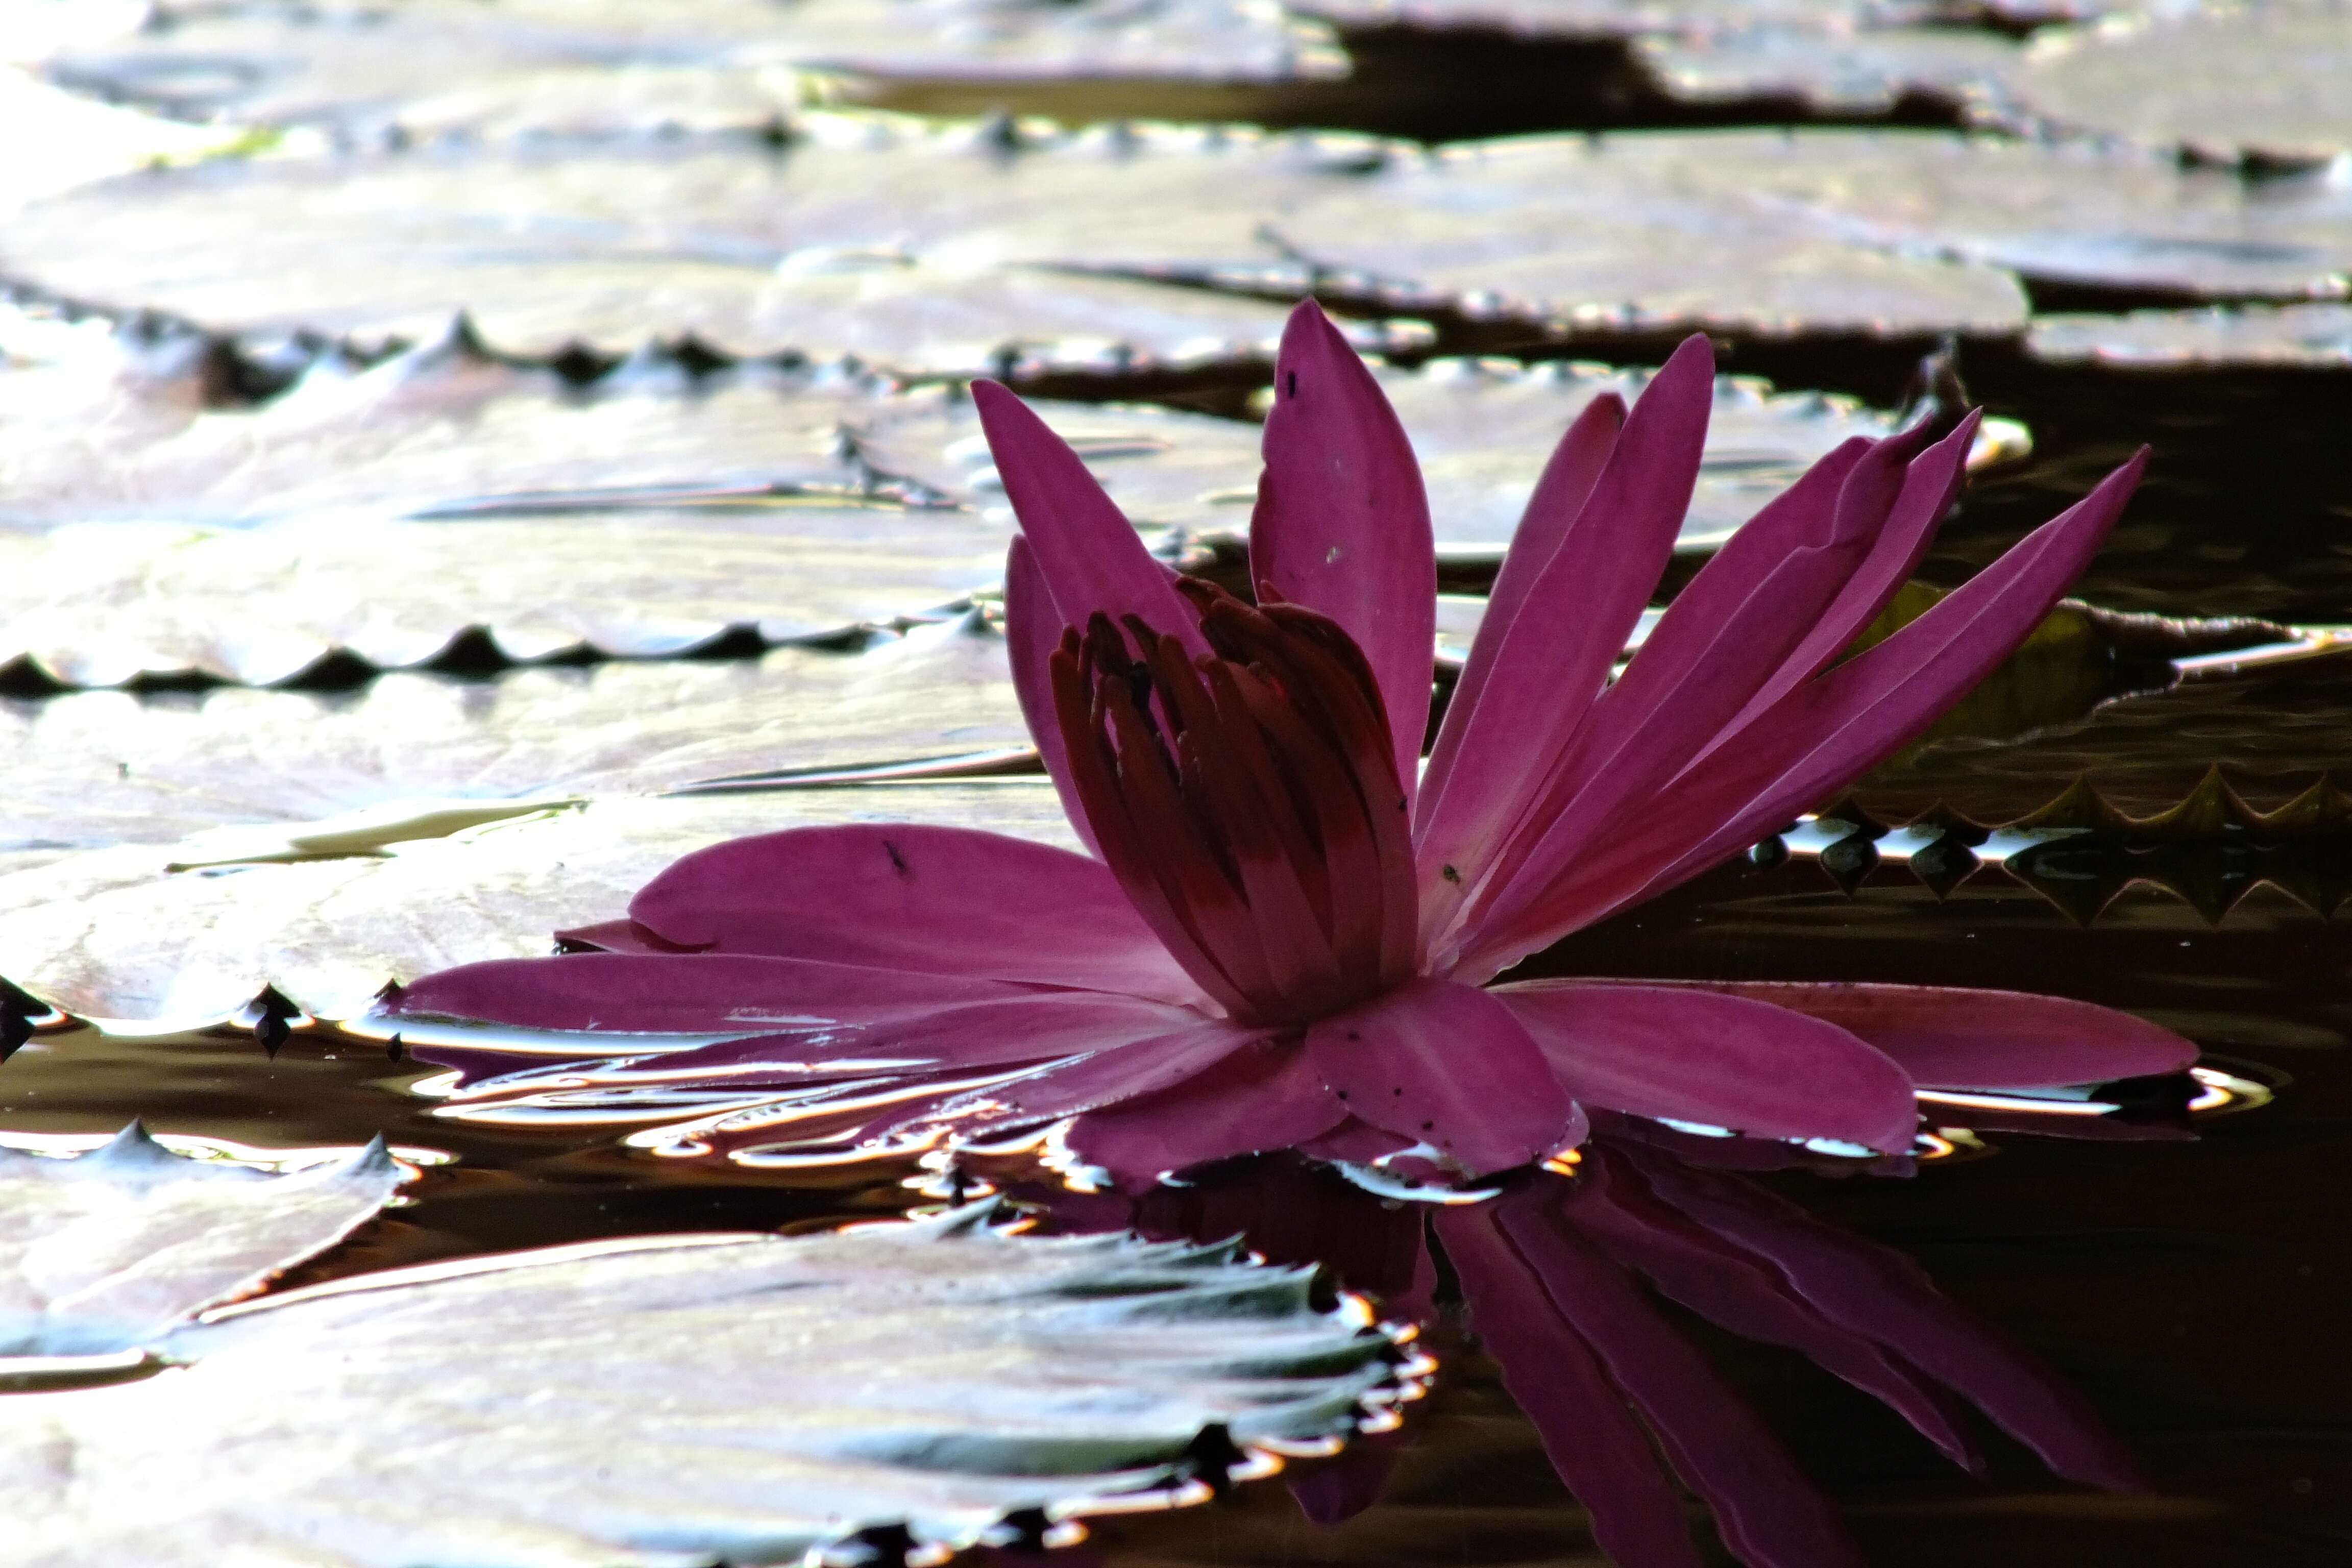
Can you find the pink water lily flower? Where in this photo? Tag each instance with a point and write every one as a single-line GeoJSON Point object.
{"type": "Point", "coordinates": [1286, 933]}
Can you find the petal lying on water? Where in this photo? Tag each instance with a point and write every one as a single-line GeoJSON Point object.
{"type": "Point", "coordinates": [1730, 1061]}
{"type": "Point", "coordinates": [1449, 1066]}
{"type": "Point", "coordinates": [1950, 1038]}
{"type": "Point", "coordinates": [1342, 523]}
{"type": "Point", "coordinates": [1594, 1442]}
{"type": "Point", "coordinates": [900, 896]}
{"type": "Point", "coordinates": [1089, 557]}
{"type": "Point", "coordinates": [1120, 1073]}
{"type": "Point", "coordinates": [1552, 659]}
{"type": "Point", "coordinates": [1267, 1096]}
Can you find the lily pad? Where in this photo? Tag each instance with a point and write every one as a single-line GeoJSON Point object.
{"type": "Point", "coordinates": [114, 602]}
{"type": "Point", "coordinates": [90, 769]}
{"type": "Point", "coordinates": [106, 1251]}
{"type": "Point", "coordinates": [752, 247]}
{"type": "Point", "coordinates": [677, 1400]}
{"type": "Point", "coordinates": [1866, 71]}
{"type": "Point", "coordinates": [427, 66]}
{"type": "Point", "coordinates": [2223, 82]}
{"type": "Point", "coordinates": [2317, 336]}
{"type": "Point", "coordinates": [118, 934]}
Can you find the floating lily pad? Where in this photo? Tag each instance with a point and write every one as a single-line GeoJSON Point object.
{"type": "Point", "coordinates": [95, 768]}
{"type": "Point", "coordinates": [106, 1251]}
{"type": "Point", "coordinates": [114, 602]}
{"type": "Point", "coordinates": [117, 935]}
{"type": "Point", "coordinates": [692, 1399]}
{"type": "Point", "coordinates": [528, 64]}
{"type": "Point", "coordinates": [1860, 72]}
{"type": "Point", "coordinates": [818, 245]}
{"type": "Point", "coordinates": [2226, 81]}
{"type": "Point", "coordinates": [2315, 336]}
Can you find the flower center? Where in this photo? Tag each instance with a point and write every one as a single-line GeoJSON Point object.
{"type": "Point", "coordinates": [1247, 800]}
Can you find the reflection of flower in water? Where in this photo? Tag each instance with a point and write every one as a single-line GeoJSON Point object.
{"type": "Point", "coordinates": [1285, 934]}
{"type": "Point", "coordinates": [1556, 1277]}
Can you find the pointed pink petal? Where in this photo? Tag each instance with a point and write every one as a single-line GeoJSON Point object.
{"type": "Point", "coordinates": [1739, 1292]}
{"type": "Point", "coordinates": [789, 1009]}
{"type": "Point", "coordinates": [1354, 1143]}
{"type": "Point", "coordinates": [1765, 1509]}
{"type": "Point", "coordinates": [1552, 659]}
{"type": "Point", "coordinates": [1267, 1096]}
{"type": "Point", "coordinates": [1548, 523]}
{"type": "Point", "coordinates": [1821, 738]}
{"type": "Point", "coordinates": [904, 896]}
{"type": "Point", "coordinates": [615, 936]}
{"type": "Point", "coordinates": [1947, 1037]}
{"type": "Point", "coordinates": [1089, 557]}
{"type": "Point", "coordinates": [1449, 1066]}
{"type": "Point", "coordinates": [1600, 1449]}
{"type": "Point", "coordinates": [1687, 1055]}
{"type": "Point", "coordinates": [1342, 523]}
{"type": "Point", "coordinates": [1879, 1292]}
{"type": "Point", "coordinates": [1122, 1072]}
{"type": "Point", "coordinates": [1032, 630]}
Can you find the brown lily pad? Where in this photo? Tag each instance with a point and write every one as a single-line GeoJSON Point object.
{"type": "Point", "coordinates": [117, 935]}
{"type": "Point", "coordinates": [2313, 336]}
{"type": "Point", "coordinates": [417, 752]}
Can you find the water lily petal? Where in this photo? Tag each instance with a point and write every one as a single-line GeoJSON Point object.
{"type": "Point", "coordinates": [903, 896]}
{"type": "Point", "coordinates": [1089, 556]}
{"type": "Point", "coordinates": [1829, 731]}
{"type": "Point", "coordinates": [1449, 1066]}
{"type": "Point", "coordinates": [1267, 1096]}
{"type": "Point", "coordinates": [1950, 1038]}
{"type": "Point", "coordinates": [1767, 1512]}
{"type": "Point", "coordinates": [1880, 1292]}
{"type": "Point", "coordinates": [1119, 1073]}
{"type": "Point", "coordinates": [1691, 1055]}
{"type": "Point", "coordinates": [1594, 1442]}
{"type": "Point", "coordinates": [825, 1010]}
{"type": "Point", "coordinates": [1556, 651]}
{"type": "Point", "coordinates": [1739, 1291]}
{"type": "Point", "coordinates": [1032, 630]}
{"type": "Point", "coordinates": [1342, 523]}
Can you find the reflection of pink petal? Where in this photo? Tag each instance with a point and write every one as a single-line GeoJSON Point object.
{"type": "Point", "coordinates": [1728, 1061]}
{"type": "Point", "coordinates": [1881, 1293]}
{"type": "Point", "coordinates": [902, 896]}
{"type": "Point", "coordinates": [1088, 556]}
{"type": "Point", "coordinates": [1449, 1066]}
{"type": "Point", "coordinates": [1595, 1443]}
{"type": "Point", "coordinates": [1737, 1290]}
{"type": "Point", "coordinates": [1342, 525]}
{"type": "Point", "coordinates": [1947, 1037]}
{"type": "Point", "coordinates": [1337, 1490]}
{"type": "Point", "coordinates": [1550, 661]}
{"type": "Point", "coordinates": [1267, 1096]}
{"type": "Point", "coordinates": [1766, 1510]}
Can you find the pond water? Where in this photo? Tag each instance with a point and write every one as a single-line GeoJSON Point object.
{"type": "Point", "coordinates": [2187, 1273]}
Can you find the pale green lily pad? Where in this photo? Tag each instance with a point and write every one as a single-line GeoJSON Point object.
{"type": "Point", "coordinates": [817, 245]}
{"type": "Point", "coordinates": [431, 66]}
{"type": "Point", "coordinates": [105, 1252]}
{"type": "Point", "coordinates": [114, 602]}
{"type": "Point", "coordinates": [115, 935]}
{"type": "Point", "coordinates": [678, 1400]}
{"type": "Point", "coordinates": [90, 769]}
{"type": "Point", "coordinates": [1863, 72]}
{"type": "Point", "coordinates": [2224, 81]}
{"type": "Point", "coordinates": [2316, 336]}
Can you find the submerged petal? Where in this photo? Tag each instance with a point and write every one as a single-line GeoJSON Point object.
{"type": "Point", "coordinates": [1691, 1055]}
{"type": "Point", "coordinates": [1342, 523]}
{"type": "Point", "coordinates": [904, 896]}
{"type": "Point", "coordinates": [1949, 1038]}
{"type": "Point", "coordinates": [1263, 1097]}
{"type": "Point", "coordinates": [1448, 1066]}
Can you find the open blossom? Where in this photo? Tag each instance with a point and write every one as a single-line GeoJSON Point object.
{"type": "Point", "coordinates": [1287, 933]}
